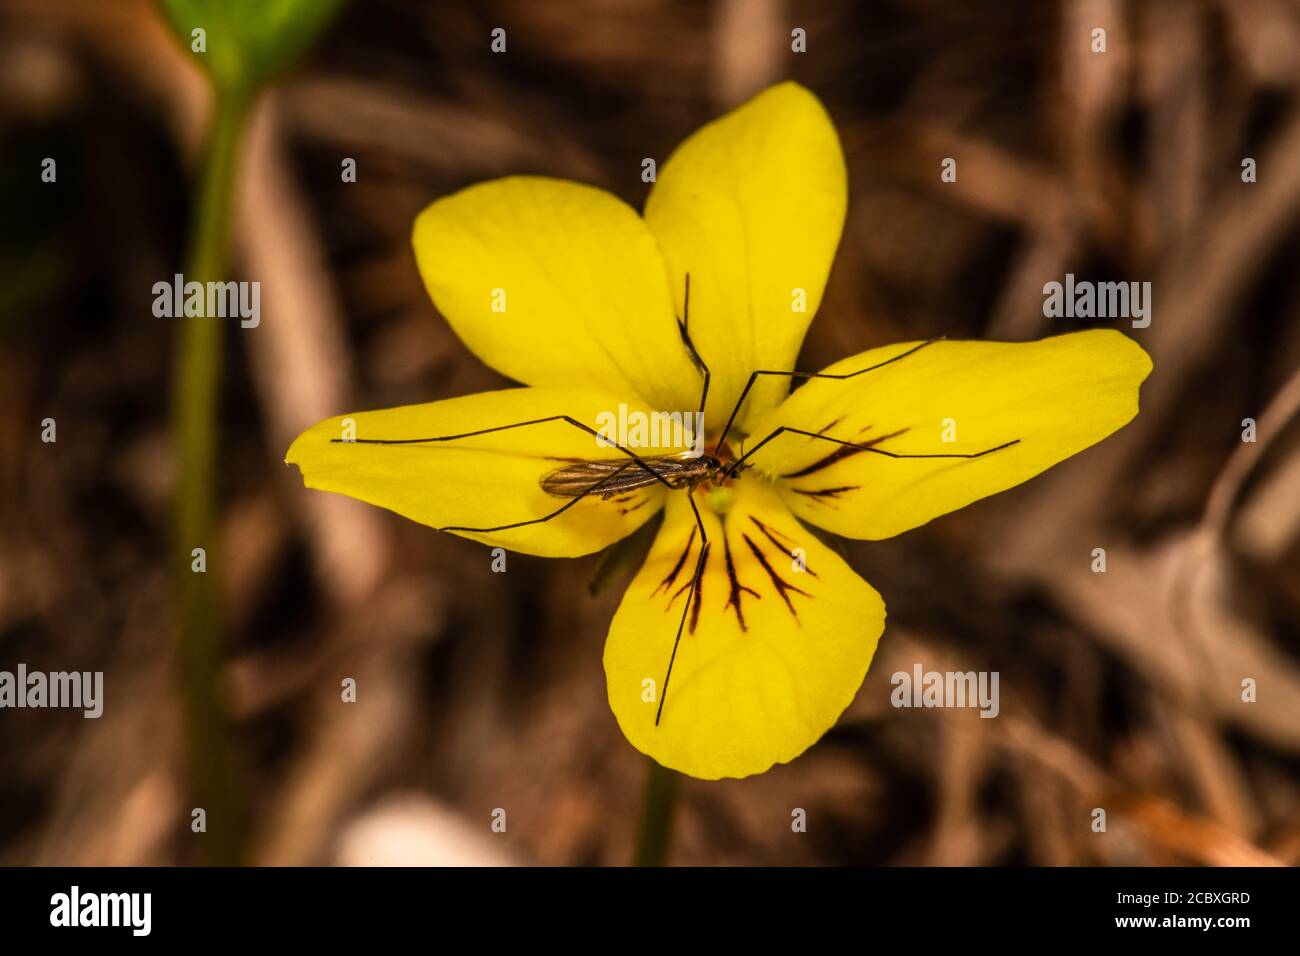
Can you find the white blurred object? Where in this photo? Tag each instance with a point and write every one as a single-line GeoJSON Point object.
{"type": "Point", "coordinates": [411, 829]}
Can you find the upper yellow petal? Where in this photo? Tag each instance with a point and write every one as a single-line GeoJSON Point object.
{"type": "Point", "coordinates": [1054, 398]}
{"type": "Point", "coordinates": [752, 206]}
{"type": "Point", "coordinates": [481, 482]}
{"type": "Point", "coordinates": [557, 284]}
{"type": "Point", "coordinates": [773, 651]}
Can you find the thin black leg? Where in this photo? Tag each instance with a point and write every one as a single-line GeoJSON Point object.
{"type": "Point", "coordinates": [690, 597]}
{"type": "Point", "coordinates": [554, 514]}
{"type": "Point", "coordinates": [500, 428]}
{"type": "Point", "coordinates": [683, 326]}
{"type": "Point", "coordinates": [736, 465]}
{"type": "Point", "coordinates": [838, 377]}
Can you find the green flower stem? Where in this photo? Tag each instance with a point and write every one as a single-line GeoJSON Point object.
{"type": "Point", "coordinates": [195, 387]}
{"type": "Point", "coordinates": [658, 802]}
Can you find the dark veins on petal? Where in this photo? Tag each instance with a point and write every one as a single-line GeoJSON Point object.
{"type": "Point", "coordinates": [842, 452]}
{"type": "Point", "coordinates": [737, 589]}
{"type": "Point", "coordinates": [667, 582]}
{"type": "Point", "coordinates": [822, 494]}
{"type": "Point", "coordinates": [782, 586]}
{"type": "Point", "coordinates": [628, 510]}
{"type": "Point", "coordinates": [686, 585]}
{"type": "Point", "coordinates": [783, 542]}
{"type": "Point", "coordinates": [699, 586]}
{"type": "Point", "coordinates": [784, 546]}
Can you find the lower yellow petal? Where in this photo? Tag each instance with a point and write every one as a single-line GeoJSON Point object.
{"type": "Point", "coordinates": [775, 646]}
{"type": "Point", "coordinates": [1053, 398]}
{"type": "Point", "coordinates": [484, 481]}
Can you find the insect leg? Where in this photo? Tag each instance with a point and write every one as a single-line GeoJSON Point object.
{"type": "Point", "coordinates": [690, 596]}
{"type": "Point", "coordinates": [744, 393]}
{"type": "Point", "coordinates": [500, 428]}
{"type": "Point", "coordinates": [736, 465]}
{"type": "Point", "coordinates": [554, 514]}
{"type": "Point", "coordinates": [683, 326]}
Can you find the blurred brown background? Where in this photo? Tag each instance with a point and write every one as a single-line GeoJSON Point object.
{"type": "Point", "coordinates": [478, 690]}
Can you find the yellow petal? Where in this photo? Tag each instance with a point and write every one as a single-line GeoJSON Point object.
{"type": "Point", "coordinates": [752, 206]}
{"type": "Point", "coordinates": [770, 655]}
{"type": "Point", "coordinates": [557, 284]}
{"type": "Point", "coordinates": [1054, 398]}
{"type": "Point", "coordinates": [479, 482]}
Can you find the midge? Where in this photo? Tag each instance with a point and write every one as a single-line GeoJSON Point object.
{"type": "Point", "coordinates": [606, 478]}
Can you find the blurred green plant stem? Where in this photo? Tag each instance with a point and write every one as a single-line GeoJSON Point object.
{"type": "Point", "coordinates": [242, 45]}
{"type": "Point", "coordinates": [658, 807]}
{"type": "Point", "coordinates": [196, 386]}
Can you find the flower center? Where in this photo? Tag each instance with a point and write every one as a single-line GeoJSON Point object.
{"type": "Point", "coordinates": [720, 498]}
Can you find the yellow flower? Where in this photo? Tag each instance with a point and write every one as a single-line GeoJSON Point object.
{"type": "Point", "coordinates": [566, 288]}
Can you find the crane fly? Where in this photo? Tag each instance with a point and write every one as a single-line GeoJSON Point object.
{"type": "Point", "coordinates": [613, 476]}
{"type": "Point", "coordinates": [605, 478]}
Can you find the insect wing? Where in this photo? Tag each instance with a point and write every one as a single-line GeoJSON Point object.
{"type": "Point", "coordinates": [609, 476]}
